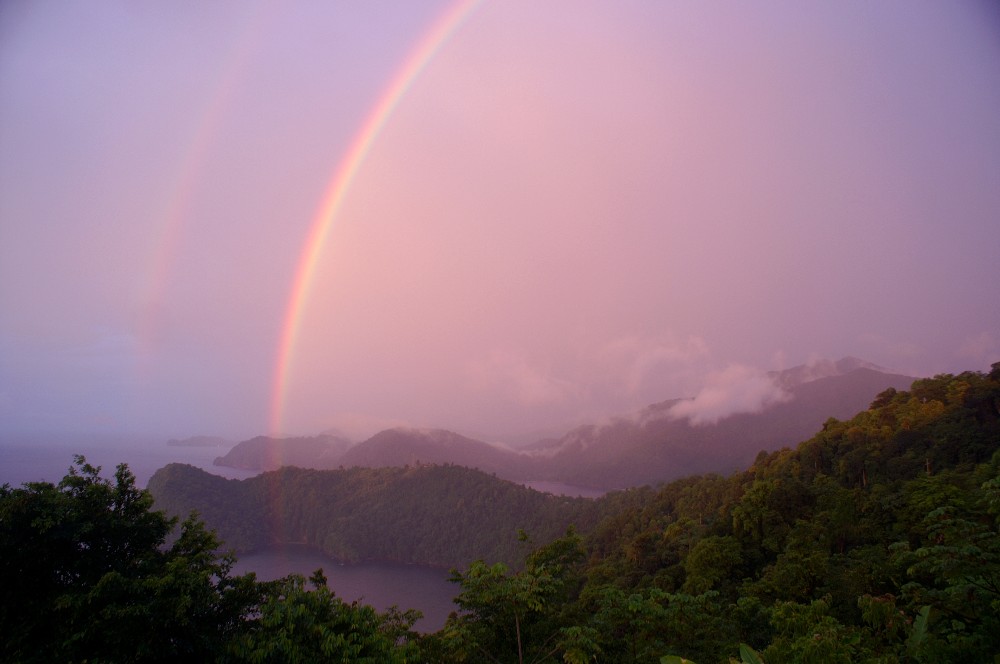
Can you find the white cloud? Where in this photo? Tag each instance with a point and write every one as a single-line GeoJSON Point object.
{"type": "Point", "coordinates": [736, 389]}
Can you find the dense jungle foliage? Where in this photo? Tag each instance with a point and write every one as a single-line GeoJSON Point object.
{"type": "Point", "coordinates": [86, 576]}
{"type": "Point", "coordinates": [877, 540]}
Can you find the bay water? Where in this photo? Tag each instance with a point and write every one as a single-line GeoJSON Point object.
{"type": "Point", "coordinates": [47, 459]}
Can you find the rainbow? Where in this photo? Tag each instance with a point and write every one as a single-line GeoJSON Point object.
{"type": "Point", "coordinates": [446, 24]}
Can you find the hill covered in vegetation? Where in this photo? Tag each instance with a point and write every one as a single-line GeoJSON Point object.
{"type": "Point", "coordinates": [656, 444]}
{"type": "Point", "coordinates": [436, 515]}
{"type": "Point", "coordinates": [876, 540]}
{"type": "Point", "coordinates": [87, 575]}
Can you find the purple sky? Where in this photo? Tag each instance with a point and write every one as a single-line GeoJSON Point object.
{"type": "Point", "coordinates": [577, 208]}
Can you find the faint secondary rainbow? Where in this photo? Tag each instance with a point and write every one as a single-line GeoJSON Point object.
{"type": "Point", "coordinates": [449, 21]}
{"type": "Point", "coordinates": [169, 228]}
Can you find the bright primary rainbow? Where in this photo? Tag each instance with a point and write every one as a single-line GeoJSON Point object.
{"type": "Point", "coordinates": [450, 20]}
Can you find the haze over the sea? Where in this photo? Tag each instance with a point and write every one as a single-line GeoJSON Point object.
{"type": "Point", "coordinates": [557, 211]}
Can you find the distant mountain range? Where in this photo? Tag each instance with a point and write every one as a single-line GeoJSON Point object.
{"type": "Point", "coordinates": [654, 445]}
{"type": "Point", "coordinates": [806, 373]}
{"type": "Point", "coordinates": [657, 447]}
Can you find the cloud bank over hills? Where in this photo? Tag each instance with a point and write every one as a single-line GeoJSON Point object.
{"type": "Point", "coordinates": [736, 389]}
{"type": "Point", "coordinates": [723, 427]}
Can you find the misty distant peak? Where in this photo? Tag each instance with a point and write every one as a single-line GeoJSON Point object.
{"type": "Point", "coordinates": [850, 363]}
{"type": "Point", "coordinates": [440, 436]}
{"type": "Point", "coordinates": [335, 434]}
{"type": "Point", "coordinates": [822, 368]}
{"type": "Point", "coordinates": [269, 452]}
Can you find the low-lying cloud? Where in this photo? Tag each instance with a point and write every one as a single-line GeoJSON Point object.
{"type": "Point", "coordinates": [736, 389]}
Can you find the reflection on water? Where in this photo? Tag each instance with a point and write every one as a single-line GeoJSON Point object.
{"type": "Point", "coordinates": [378, 584]}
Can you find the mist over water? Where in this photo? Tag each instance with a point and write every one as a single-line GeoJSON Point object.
{"type": "Point", "coordinates": [47, 457]}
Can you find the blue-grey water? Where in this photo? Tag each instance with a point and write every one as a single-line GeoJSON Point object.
{"type": "Point", "coordinates": [379, 584]}
{"type": "Point", "coordinates": [47, 458]}
{"type": "Point", "coordinates": [36, 458]}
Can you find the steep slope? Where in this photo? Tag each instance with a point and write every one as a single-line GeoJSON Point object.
{"type": "Point", "coordinates": [656, 446]}
{"type": "Point", "coordinates": [877, 538]}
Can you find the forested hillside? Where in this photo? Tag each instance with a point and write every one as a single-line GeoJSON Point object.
{"type": "Point", "coordinates": [86, 575]}
{"type": "Point", "coordinates": [435, 515]}
{"type": "Point", "coordinates": [876, 540]}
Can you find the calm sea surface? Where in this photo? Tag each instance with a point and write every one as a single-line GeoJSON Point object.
{"type": "Point", "coordinates": [47, 458]}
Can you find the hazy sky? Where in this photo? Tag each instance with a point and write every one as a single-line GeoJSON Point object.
{"type": "Point", "coordinates": [575, 209]}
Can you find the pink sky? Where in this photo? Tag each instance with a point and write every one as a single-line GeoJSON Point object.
{"type": "Point", "coordinates": [575, 209]}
